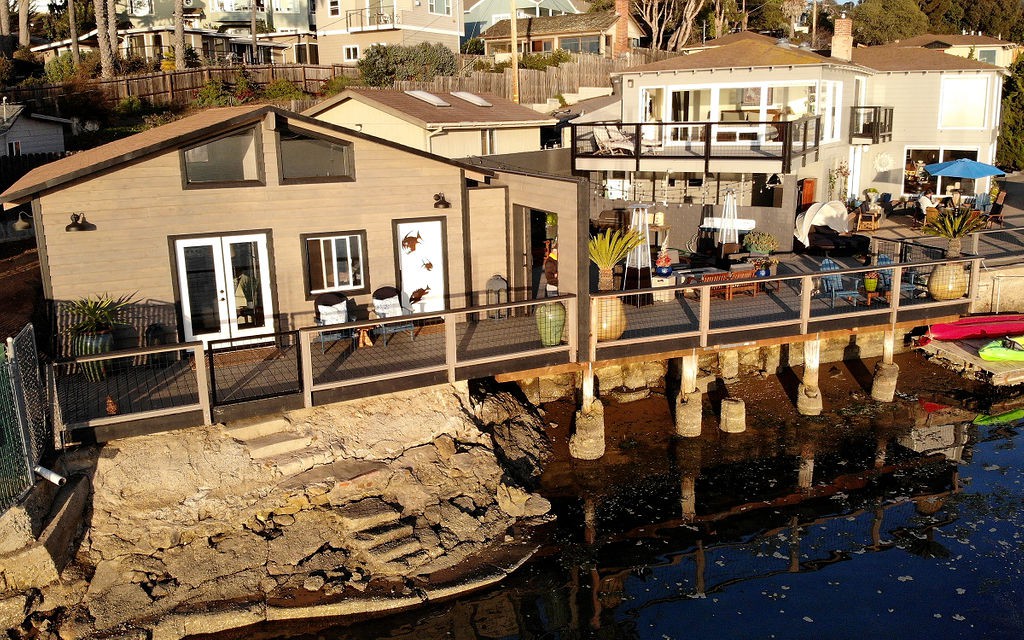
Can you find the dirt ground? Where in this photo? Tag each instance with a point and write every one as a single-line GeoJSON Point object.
{"type": "Point", "coordinates": [20, 285]}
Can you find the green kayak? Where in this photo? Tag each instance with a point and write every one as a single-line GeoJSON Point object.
{"type": "Point", "coordinates": [1004, 350]}
{"type": "Point", "coordinates": [1002, 418]}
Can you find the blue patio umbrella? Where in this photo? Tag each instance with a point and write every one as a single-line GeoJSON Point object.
{"type": "Point", "coordinates": [963, 168]}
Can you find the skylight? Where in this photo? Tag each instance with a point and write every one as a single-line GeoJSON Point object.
{"type": "Point", "coordinates": [429, 98]}
{"type": "Point", "coordinates": [471, 98]}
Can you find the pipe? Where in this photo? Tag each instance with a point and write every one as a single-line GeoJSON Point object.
{"type": "Point", "coordinates": [50, 476]}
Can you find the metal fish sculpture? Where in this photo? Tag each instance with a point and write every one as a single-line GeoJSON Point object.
{"type": "Point", "coordinates": [410, 241]}
{"type": "Point", "coordinates": [418, 294]}
{"type": "Point", "coordinates": [428, 265]}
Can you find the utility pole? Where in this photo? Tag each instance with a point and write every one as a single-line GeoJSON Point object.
{"type": "Point", "coordinates": [515, 53]}
{"type": "Point", "coordinates": [814, 24]}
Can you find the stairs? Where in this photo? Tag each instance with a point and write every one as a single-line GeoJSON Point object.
{"type": "Point", "coordinates": [272, 441]}
{"type": "Point", "coordinates": [380, 539]}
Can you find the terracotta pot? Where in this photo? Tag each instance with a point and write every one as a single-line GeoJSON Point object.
{"type": "Point", "coordinates": [947, 282]}
{"type": "Point", "coordinates": [611, 319]}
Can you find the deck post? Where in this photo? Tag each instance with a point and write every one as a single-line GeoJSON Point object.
{"type": "Point", "coordinates": [450, 344]}
{"type": "Point", "coordinates": [306, 358]}
{"type": "Point", "coordinates": [972, 287]}
{"type": "Point", "coordinates": [202, 382]}
{"type": "Point", "coordinates": [883, 386]}
{"type": "Point", "coordinates": [734, 416]}
{"type": "Point", "coordinates": [808, 395]}
{"type": "Point", "coordinates": [729, 364]}
{"type": "Point", "coordinates": [806, 290]}
{"type": "Point", "coordinates": [688, 402]}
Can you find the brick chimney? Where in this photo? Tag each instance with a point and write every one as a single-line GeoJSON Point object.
{"type": "Point", "coordinates": [842, 38]}
{"type": "Point", "coordinates": [621, 42]}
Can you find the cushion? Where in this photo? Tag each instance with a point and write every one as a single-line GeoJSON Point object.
{"type": "Point", "coordinates": [387, 308]}
{"type": "Point", "coordinates": [336, 314]}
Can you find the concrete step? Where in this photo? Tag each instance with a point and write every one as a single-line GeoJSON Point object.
{"type": "Point", "coordinates": [252, 428]}
{"type": "Point", "coordinates": [377, 536]}
{"type": "Point", "coordinates": [415, 559]}
{"type": "Point", "coordinates": [367, 514]}
{"type": "Point", "coordinates": [296, 462]}
{"type": "Point", "coordinates": [276, 444]}
{"type": "Point", "coordinates": [395, 549]}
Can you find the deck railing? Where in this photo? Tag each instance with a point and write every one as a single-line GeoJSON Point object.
{"type": "Point", "coordinates": [375, 18]}
{"type": "Point", "coordinates": [871, 124]}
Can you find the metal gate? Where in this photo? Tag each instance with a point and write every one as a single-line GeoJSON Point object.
{"type": "Point", "coordinates": [24, 430]}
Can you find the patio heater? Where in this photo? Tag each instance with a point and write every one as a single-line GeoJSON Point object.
{"type": "Point", "coordinates": [638, 262]}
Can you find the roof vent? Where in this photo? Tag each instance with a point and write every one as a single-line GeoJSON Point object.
{"type": "Point", "coordinates": [471, 98]}
{"type": "Point", "coordinates": [429, 98]}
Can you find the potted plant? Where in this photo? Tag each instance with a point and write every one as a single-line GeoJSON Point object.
{"type": "Point", "coordinates": [663, 263]}
{"type": "Point", "coordinates": [607, 249]}
{"type": "Point", "coordinates": [760, 242]}
{"type": "Point", "coordinates": [93, 329]}
{"type": "Point", "coordinates": [871, 194]}
{"type": "Point", "coordinates": [871, 281]}
{"type": "Point", "coordinates": [947, 281]}
{"type": "Point", "coordinates": [763, 266]}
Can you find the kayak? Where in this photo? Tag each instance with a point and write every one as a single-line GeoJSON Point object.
{"type": "Point", "coordinates": [1005, 350]}
{"type": "Point", "coordinates": [978, 327]}
{"type": "Point", "coordinates": [1002, 418]}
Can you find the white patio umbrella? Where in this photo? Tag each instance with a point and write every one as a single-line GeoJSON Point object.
{"type": "Point", "coordinates": [729, 232]}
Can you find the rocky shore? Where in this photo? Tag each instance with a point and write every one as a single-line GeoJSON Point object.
{"type": "Point", "coordinates": [391, 502]}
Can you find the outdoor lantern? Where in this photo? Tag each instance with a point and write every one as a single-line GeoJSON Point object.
{"type": "Point", "coordinates": [440, 202]}
{"type": "Point", "coordinates": [23, 223]}
{"type": "Point", "coordinates": [79, 223]}
{"type": "Point", "coordinates": [774, 181]}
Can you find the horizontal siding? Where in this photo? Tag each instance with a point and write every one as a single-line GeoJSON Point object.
{"type": "Point", "coordinates": [375, 123]}
{"type": "Point", "coordinates": [489, 240]}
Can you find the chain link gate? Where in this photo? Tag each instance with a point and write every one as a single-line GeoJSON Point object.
{"type": "Point", "coordinates": [24, 430]}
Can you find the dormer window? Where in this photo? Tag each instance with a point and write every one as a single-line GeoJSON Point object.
{"type": "Point", "coordinates": [304, 157]}
{"type": "Point", "coordinates": [230, 160]}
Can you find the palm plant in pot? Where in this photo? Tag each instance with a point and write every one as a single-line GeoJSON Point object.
{"type": "Point", "coordinates": [93, 329]}
{"type": "Point", "coordinates": [608, 249]}
{"type": "Point", "coordinates": [947, 281]}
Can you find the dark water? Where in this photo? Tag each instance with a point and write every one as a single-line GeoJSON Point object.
{"type": "Point", "coordinates": [849, 530]}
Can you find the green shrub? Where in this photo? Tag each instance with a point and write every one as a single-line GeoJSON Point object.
{"type": "Point", "coordinates": [6, 70]}
{"type": "Point", "coordinates": [541, 61]}
{"type": "Point", "coordinates": [473, 47]}
{"type": "Point", "coordinates": [283, 90]}
{"type": "Point", "coordinates": [214, 94]}
{"type": "Point", "coordinates": [383, 65]}
{"type": "Point", "coordinates": [60, 69]}
{"type": "Point", "coordinates": [129, 106]}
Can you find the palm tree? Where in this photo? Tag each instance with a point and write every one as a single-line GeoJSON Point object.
{"type": "Point", "coordinates": [103, 39]}
{"type": "Point", "coordinates": [609, 249]}
{"type": "Point", "coordinates": [24, 35]}
{"type": "Point", "coordinates": [954, 225]}
{"type": "Point", "coordinates": [179, 35]}
{"type": "Point", "coordinates": [76, 56]}
{"type": "Point", "coordinates": [5, 18]}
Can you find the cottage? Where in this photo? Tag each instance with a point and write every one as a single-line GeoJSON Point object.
{"type": "Point", "coordinates": [23, 132]}
{"type": "Point", "coordinates": [604, 32]}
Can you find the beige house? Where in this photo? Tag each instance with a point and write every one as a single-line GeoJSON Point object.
{"type": "Point", "coordinates": [978, 47]}
{"type": "Point", "coordinates": [604, 33]}
{"type": "Point", "coordinates": [453, 125]}
{"type": "Point", "coordinates": [347, 28]}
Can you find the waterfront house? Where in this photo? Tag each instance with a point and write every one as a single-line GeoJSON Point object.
{"type": "Point", "coordinates": [347, 28]}
{"type": "Point", "coordinates": [604, 33]}
{"type": "Point", "coordinates": [975, 46]}
{"type": "Point", "coordinates": [453, 125]}
{"type": "Point", "coordinates": [482, 14]}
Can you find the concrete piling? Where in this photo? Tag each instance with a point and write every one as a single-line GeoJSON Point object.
{"type": "Point", "coordinates": [883, 387]}
{"type": "Point", "coordinates": [808, 397]}
{"type": "Point", "coordinates": [729, 364]}
{"type": "Point", "coordinates": [688, 402]}
{"type": "Point", "coordinates": [587, 442]}
{"type": "Point", "coordinates": [734, 416]}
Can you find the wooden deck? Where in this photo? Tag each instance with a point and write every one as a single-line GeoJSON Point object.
{"type": "Point", "coordinates": [962, 355]}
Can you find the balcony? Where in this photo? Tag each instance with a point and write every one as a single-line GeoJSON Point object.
{"type": "Point", "coordinates": [870, 125]}
{"type": "Point", "coordinates": [377, 18]}
{"type": "Point", "coordinates": [757, 147]}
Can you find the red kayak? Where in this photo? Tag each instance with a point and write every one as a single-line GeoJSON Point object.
{"type": "Point", "coordinates": [978, 327]}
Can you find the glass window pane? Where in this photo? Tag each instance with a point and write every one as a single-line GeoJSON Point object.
{"type": "Point", "coordinates": [335, 263]}
{"type": "Point", "coordinates": [201, 280]}
{"type": "Point", "coordinates": [228, 159]}
{"type": "Point", "coordinates": [963, 102]}
{"type": "Point", "coordinates": [357, 261]}
{"type": "Point", "coordinates": [307, 157]}
{"type": "Point", "coordinates": [248, 290]}
{"type": "Point", "coordinates": [341, 261]}
{"type": "Point", "coordinates": [316, 264]}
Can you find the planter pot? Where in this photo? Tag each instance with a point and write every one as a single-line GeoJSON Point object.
{"type": "Point", "coordinates": [947, 282]}
{"type": "Point", "coordinates": [611, 319]}
{"type": "Point", "coordinates": [550, 323]}
{"type": "Point", "coordinates": [763, 273]}
{"type": "Point", "coordinates": [870, 284]}
{"type": "Point", "coordinates": [88, 344]}
{"type": "Point", "coordinates": [663, 272]}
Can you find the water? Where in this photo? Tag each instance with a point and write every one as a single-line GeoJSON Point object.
{"type": "Point", "coordinates": [872, 524]}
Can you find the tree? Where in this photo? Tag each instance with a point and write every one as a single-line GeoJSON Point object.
{"type": "Point", "coordinates": [792, 10]}
{"type": "Point", "coordinates": [767, 17]}
{"type": "Point", "coordinates": [881, 21]}
{"type": "Point", "coordinates": [383, 65]}
{"type": "Point", "coordinates": [24, 35]}
{"type": "Point", "coordinates": [179, 35]}
{"type": "Point", "coordinates": [688, 12]}
{"type": "Point", "coordinates": [1010, 152]}
{"type": "Point", "coordinates": [5, 18]}
{"type": "Point", "coordinates": [103, 39]}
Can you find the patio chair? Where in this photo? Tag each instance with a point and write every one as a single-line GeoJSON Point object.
{"type": "Point", "coordinates": [836, 285]}
{"type": "Point", "coordinates": [607, 146]}
{"type": "Point", "coordinates": [867, 220]}
{"type": "Point", "coordinates": [331, 309]}
{"type": "Point", "coordinates": [908, 282]}
{"type": "Point", "coordinates": [387, 303]}
{"type": "Point", "coordinates": [750, 285]}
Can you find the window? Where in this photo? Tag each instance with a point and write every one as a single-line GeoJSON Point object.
{"type": "Point", "coordinates": [987, 55]}
{"type": "Point", "coordinates": [916, 180]}
{"type": "Point", "coordinates": [14, 148]}
{"type": "Point", "coordinates": [306, 158]}
{"type": "Point", "coordinates": [962, 102]}
{"type": "Point", "coordinates": [351, 52]}
{"type": "Point", "coordinates": [334, 7]}
{"type": "Point", "coordinates": [335, 262]}
{"type": "Point", "coordinates": [443, 7]}
{"type": "Point", "coordinates": [232, 158]}
{"type": "Point", "coordinates": [582, 44]}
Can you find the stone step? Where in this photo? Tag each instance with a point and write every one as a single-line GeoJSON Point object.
{"type": "Point", "coordinates": [252, 428]}
{"type": "Point", "coordinates": [276, 444]}
{"type": "Point", "coordinates": [367, 514]}
{"type": "Point", "coordinates": [395, 549]}
{"type": "Point", "coordinates": [415, 559]}
{"type": "Point", "coordinates": [296, 462]}
{"type": "Point", "coordinates": [377, 536]}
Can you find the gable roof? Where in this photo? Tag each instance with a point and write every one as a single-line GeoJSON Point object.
{"type": "Point", "coordinates": [553, 25]}
{"type": "Point", "coordinates": [173, 135]}
{"type": "Point", "coordinates": [883, 58]}
{"type": "Point", "coordinates": [459, 111]}
{"type": "Point", "coordinates": [743, 51]}
{"type": "Point", "coordinates": [11, 112]}
{"type": "Point", "coordinates": [738, 36]}
{"type": "Point", "coordinates": [951, 40]}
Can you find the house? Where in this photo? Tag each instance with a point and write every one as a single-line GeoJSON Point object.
{"type": "Point", "coordinates": [782, 127]}
{"type": "Point", "coordinates": [604, 33]}
{"type": "Point", "coordinates": [484, 13]}
{"type": "Point", "coordinates": [347, 28]}
{"type": "Point", "coordinates": [453, 125]}
{"type": "Point", "coordinates": [228, 16]}
{"type": "Point", "coordinates": [1001, 53]}
{"type": "Point", "coordinates": [23, 132]}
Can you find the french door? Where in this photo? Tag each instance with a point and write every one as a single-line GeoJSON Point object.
{"type": "Point", "coordinates": [225, 287]}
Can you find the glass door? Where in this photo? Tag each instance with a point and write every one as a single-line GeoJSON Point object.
{"type": "Point", "coordinates": [225, 287]}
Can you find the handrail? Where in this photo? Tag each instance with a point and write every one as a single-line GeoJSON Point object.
{"type": "Point", "coordinates": [128, 353]}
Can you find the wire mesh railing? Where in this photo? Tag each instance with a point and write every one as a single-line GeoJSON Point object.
{"type": "Point", "coordinates": [15, 462]}
{"type": "Point", "coordinates": [254, 368]}
{"type": "Point", "coordinates": [25, 431]}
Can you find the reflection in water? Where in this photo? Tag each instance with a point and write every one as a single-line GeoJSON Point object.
{"type": "Point", "coordinates": [833, 532]}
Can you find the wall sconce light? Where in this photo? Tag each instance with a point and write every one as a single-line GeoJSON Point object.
{"type": "Point", "coordinates": [629, 83]}
{"type": "Point", "coordinates": [79, 223]}
{"type": "Point", "coordinates": [774, 181]}
{"type": "Point", "coordinates": [24, 222]}
{"type": "Point", "coordinates": [440, 202]}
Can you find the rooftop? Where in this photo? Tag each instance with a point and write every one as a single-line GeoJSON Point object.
{"type": "Point", "coordinates": [951, 40]}
{"type": "Point", "coordinates": [550, 25]}
{"type": "Point", "coordinates": [882, 58]}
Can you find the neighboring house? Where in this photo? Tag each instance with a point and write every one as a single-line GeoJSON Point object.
{"type": "Point", "coordinates": [23, 132]}
{"type": "Point", "coordinates": [978, 47]}
{"type": "Point", "coordinates": [230, 16]}
{"type": "Point", "coordinates": [783, 126]}
{"type": "Point", "coordinates": [485, 13]}
{"type": "Point", "coordinates": [347, 28]}
{"type": "Point", "coordinates": [604, 33]}
{"type": "Point", "coordinates": [453, 125]}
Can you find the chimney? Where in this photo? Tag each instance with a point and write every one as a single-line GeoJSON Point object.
{"type": "Point", "coordinates": [621, 43]}
{"type": "Point", "coordinates": [842, 38]}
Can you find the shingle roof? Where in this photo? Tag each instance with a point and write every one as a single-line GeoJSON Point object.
{"type": "Point", "coordinates": [739, 36]}
{"type": "Point", "coordinates": [10, 115]}
{"type": "Point", "coordinates": [951, 39]}
{"type": "Point", "coordinates": [883, 58]}
{"type": "Point", "coordinates": [551, 25]}
{"type": "Point", "coordinates": [460, 111]}
{"type": "Point", "coordinates": [742, 52]}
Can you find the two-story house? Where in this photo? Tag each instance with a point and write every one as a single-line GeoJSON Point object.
{"type": "Point", "coordinates": [484, 13]}
{"type": "Point", "coordinates": [997, 51]}
{"type": "Point", "coordinates": [347, 28]}
{"type": "Point", "coordinates": [602, 32]}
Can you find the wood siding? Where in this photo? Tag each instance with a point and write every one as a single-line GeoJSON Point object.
{"type": "Point", "coordinates": [35, 136]}
{"type": "Point", "coordinates": [489, 240]}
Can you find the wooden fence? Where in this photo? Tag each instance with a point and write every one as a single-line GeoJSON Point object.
{"type": "Point", "coordinates": [13, 167]}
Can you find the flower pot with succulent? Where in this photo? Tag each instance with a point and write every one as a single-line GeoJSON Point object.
{"type": "Point", "coordinates": [93, 330]}
{"type": "Point", "coordinates": [663, 263]}
{"type": "Point", "coordinates": [948, 281]}
{"type": "Point", "coordinates": [871, 281]}
{"type": "Point", "coordinates": [607, 249]}
{"type": "Point", "coordinates": [763, 266]}
{"type": "Point", "coordinates": [760, 242]}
